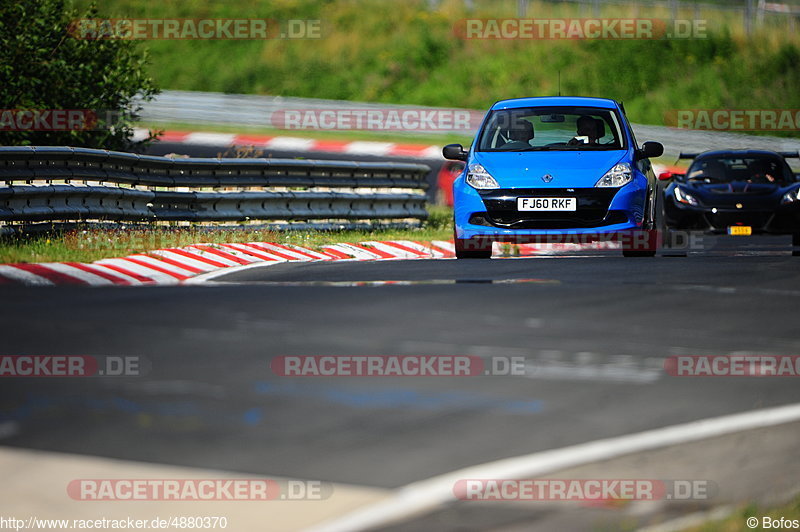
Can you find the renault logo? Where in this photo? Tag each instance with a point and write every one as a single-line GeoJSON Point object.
{"type": "Point", "coordinates": [547, 178]}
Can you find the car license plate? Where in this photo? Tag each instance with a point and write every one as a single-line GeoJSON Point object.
{"type": "Point", "coordinates": [740, 230]}
{"type": "Point", "coordinates": [547, 204]}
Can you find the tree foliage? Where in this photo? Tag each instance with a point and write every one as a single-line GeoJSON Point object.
{"type": "Point", "coordinates": [44, 67]}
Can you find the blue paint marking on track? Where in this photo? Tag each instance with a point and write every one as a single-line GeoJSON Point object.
{"type": "Point", "coordinates": [253, 416]}
{"type": "Point", "coordinates": [43, 405]}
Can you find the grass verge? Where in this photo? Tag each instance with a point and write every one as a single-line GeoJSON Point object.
{"type": "Point", "coordinates": [738, 521]}
{"type": "Point", "coordinates": [90, 244]}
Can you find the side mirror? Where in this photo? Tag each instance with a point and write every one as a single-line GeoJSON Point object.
{"type": "Point", "coordinates": [455, 152]}
{"type": "Point", "coordinates": [651, 149]}
{"type": "Point", "coordinates": [675, 173]}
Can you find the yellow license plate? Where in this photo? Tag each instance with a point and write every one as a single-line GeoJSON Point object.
{"type": "Point", "coordinates": [740, 230]}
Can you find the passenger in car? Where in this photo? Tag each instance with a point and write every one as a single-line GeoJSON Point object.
{"type": "Point", "coordinates": [519, 135]}
{"type": "Point", "coordinates": [713, 171]}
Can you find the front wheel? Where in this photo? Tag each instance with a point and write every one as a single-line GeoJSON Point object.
{"type": "Point", "coordinates": [472, 248]}
{"type": "Point", "coordinates": [795, 244]}
{"type": "Point", "coordinates": [638, 253]}
{"type": "Point", "coordinates": [672, 245]}
{"type": "Point", "coordinates": [654, 223]}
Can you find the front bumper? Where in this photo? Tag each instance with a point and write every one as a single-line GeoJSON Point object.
{"type": "Point", "coordinates": [599, 211]}
{"type": "Point", "coordinates": [785, 219]}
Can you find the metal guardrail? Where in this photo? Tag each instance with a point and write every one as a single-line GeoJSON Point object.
{"type": "Point", "coordinates": [78, 184]}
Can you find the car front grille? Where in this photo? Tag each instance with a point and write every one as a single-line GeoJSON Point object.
{"type": "Point", "coordinates": [592, 209]}
{"type": "Point", "coordinates": [722, 220]}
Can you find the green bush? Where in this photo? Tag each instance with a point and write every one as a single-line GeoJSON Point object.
{"type": "Point", "coordinates": [43, 68]}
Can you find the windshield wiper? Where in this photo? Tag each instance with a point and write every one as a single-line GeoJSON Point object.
{"type": "Point", "coordinates": [510, 150]}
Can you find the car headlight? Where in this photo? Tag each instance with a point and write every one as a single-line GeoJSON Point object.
{"type": "Point", "coordinates": [791, 196]}
{"type": "Point", "coordinates": [684, 197]}
{"type": "Point", "coordinates": [478, 177]}
{"type": "Point", "coordinates": [616, 177]}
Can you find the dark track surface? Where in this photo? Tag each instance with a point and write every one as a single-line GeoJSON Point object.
{"type": "Point", "coordinates": [599, 329]}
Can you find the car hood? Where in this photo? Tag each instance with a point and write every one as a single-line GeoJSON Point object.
{"type": "Point", "coordinates": [728, 194]}
{"type": "Point", "coordinates": [569, 169]}
{"type": "Point", "coordinates": [734, 187]}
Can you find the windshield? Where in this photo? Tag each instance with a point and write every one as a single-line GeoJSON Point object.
{"type": "Point", "coordinates": [751, 169]}
{"type": "Point", "coordinates": [552, 128]}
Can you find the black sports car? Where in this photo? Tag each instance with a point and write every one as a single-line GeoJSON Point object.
{"type": "Point", "coordinates": [739, 192]}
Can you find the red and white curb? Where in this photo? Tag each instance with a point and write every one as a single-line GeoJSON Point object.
{"type": "Point", "coordinates": [391, 149]}
{"type": "Point", "coordinates": [173, 266]}
{"type": "Point", "coordinates": [200, 262]}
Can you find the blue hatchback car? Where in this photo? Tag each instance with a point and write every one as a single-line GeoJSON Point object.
{"type": "Point", "coordinates": [546, 168]}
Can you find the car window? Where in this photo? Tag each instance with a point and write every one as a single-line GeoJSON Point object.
{"type": "Point", "coordinates": [753, 169]}
{"type": "Point", "coordinates": [552, 128]}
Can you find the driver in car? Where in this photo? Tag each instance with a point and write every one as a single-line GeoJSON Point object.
{"type": "Point", "coordinates": [762, 171]}
{"type": "Point", "coordinates": [587, 132]}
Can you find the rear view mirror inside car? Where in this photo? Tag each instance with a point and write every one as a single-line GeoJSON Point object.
{"type": "Point", "coordinates": [550, 119]}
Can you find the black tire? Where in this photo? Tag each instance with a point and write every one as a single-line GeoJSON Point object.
{"type": "Point", "coordinates": [669, 244]}
{"type": "Point", "coordinates": [472, 248]}
{"type": "Point", "coordinates": [638, 253]}
{"type": "Point", "coordinates": [668, 237]}
{"type": "Point", "coordinates": [795, 244]}
{"type": "Point", "coordinates": [473, 255]}
{"type": "Point", "coordinates": [655, 222]}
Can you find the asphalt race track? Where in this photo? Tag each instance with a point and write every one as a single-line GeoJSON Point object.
{"type": "Point", "coordinates": [594, 329]}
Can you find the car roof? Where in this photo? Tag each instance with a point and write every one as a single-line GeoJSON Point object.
{"type": "Point", "coordinates": [547, 101]}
